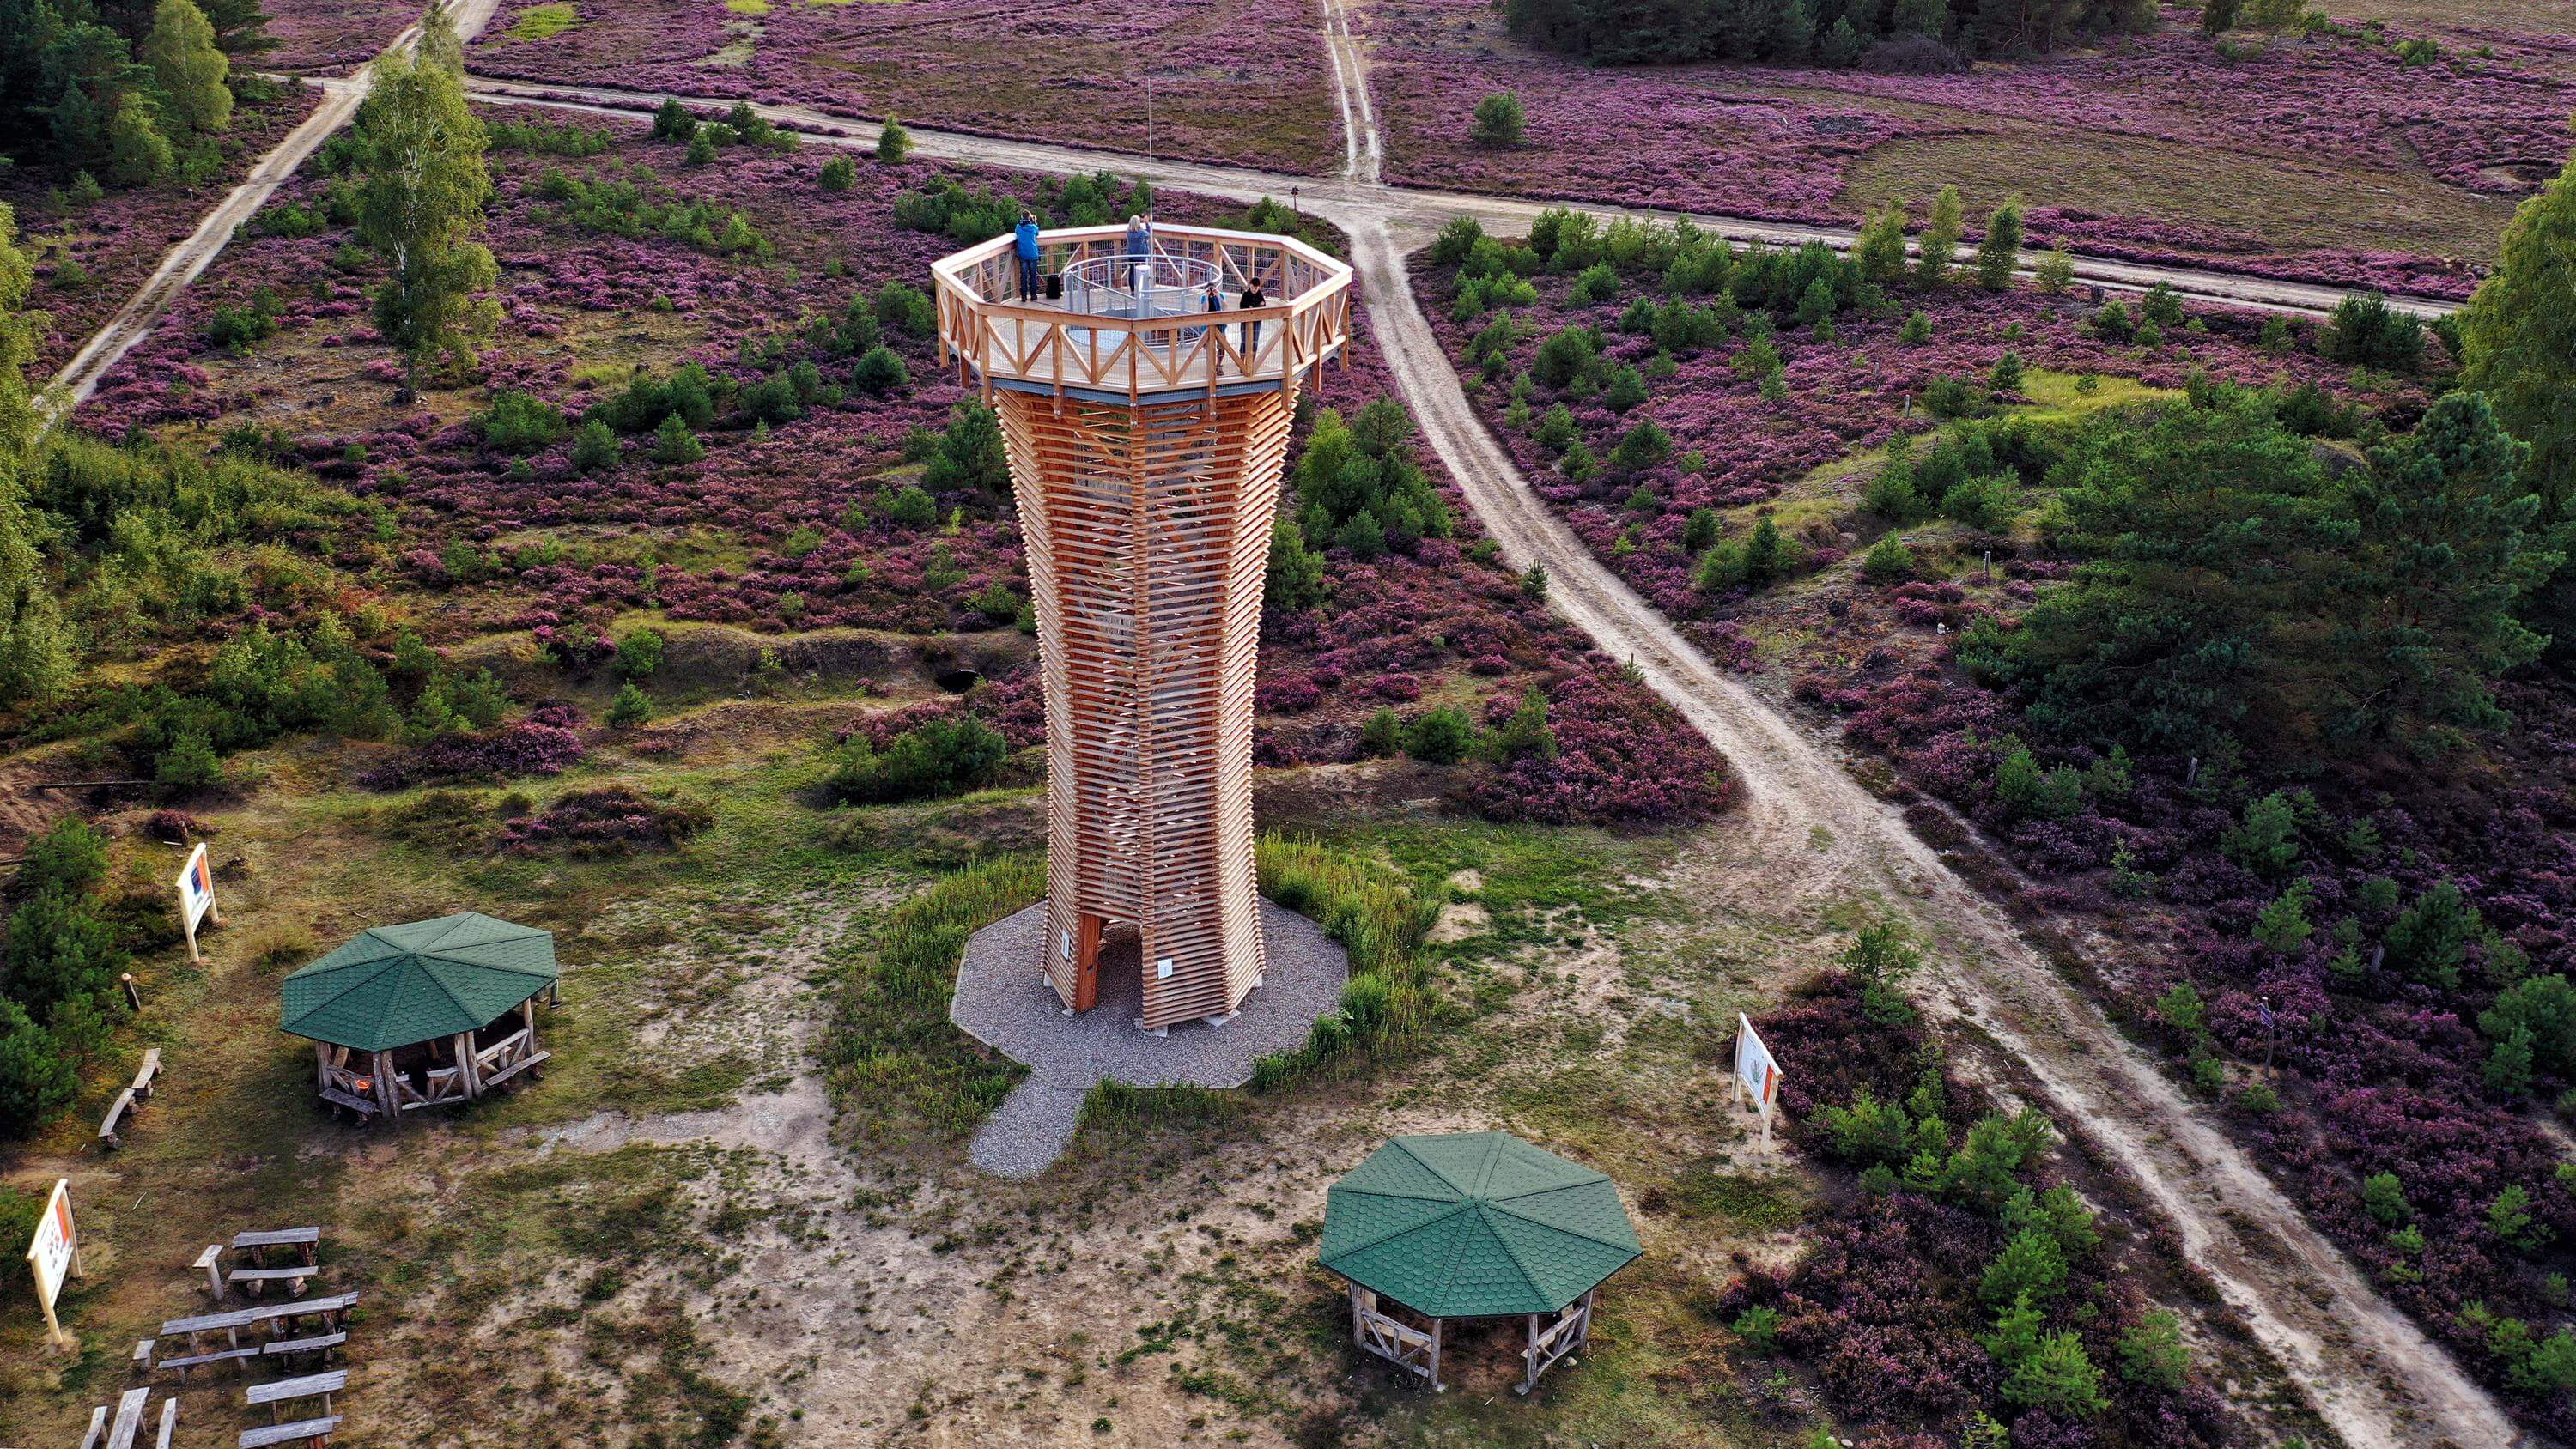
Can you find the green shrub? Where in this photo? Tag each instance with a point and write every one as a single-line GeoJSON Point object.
{"type": "Point", "coordinates": [519, 423]}
{"type": "Point", "coordinates": [944, 756]}
{"type": "Point", "coordinates": [1499, 121]}
{"type": "Point", "coordinates": [1440, 736]}
{"type": "Point", "coordinates": [838, 174]}
{"type": "Point", "coordinates": [631, 707]}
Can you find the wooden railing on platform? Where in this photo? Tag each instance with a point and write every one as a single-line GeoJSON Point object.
{"type": "Point", "coordinates": [1056, 348]}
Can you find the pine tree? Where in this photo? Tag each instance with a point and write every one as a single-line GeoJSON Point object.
{"type": "Point", "coordinates": [137, 153]}
{"type": "Point", "coordinates": [2426, 613]}
{"type": "Point", "coordinates": [35, 653]}
{"type": "Point", "coordinates": [440, 45]}
{"type": "Point", "coordinates": [2518, 334]}
{"type": "Point", "coordinates": [420, 204]}
{"type": "Point", "coordinates": [240, 26]}
{"type": "Point", "coordinates": [2000, 252]}
{"type": "Point", "coordinates": [1880, 252]}
{"type": "Point", "coordinates": [80, 131]}
{"type": "Point", "coordinates": [1940, 239]}
{"type": "Point", "coordinates": [894, 143]}
{"type": "Point", "coordinates": [190, 69]}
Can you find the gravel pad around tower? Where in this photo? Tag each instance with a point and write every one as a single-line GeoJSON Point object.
{"type": "Point", "coordinates": [1003, 1001]}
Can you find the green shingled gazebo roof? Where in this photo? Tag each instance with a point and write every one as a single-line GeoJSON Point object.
{"type": "Point", "coordinates": [1473, 1224]}
{"type": "Point", "coordinates": [396, 985]}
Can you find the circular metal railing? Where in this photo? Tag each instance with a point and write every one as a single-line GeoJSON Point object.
{"type": "Point", "coordinates": [1140, 287]}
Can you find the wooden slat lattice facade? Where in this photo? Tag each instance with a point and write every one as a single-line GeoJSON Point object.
{"type": "Point", "coordinates": [1146, 483]}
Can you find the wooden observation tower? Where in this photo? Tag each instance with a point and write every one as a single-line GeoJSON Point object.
{"type": "Point", "coordinates": [1147, 436]}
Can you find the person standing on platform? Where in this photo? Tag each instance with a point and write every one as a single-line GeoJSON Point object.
{"type": "Point", "coordinates": [1026, 242]}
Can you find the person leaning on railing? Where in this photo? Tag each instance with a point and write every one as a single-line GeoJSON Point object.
{"type": "Point", "coordinates": [1250, 332]}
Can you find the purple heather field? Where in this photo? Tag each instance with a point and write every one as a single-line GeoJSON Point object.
{"type": "Point", "coordinates": [2153, 133]}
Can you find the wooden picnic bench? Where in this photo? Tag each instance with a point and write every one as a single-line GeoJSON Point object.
{"type": "Point", "coordinates": [365, 1107]}
{"type": "Point", "coordinates": [316, 1433]}
{"type": "Point", "coordinates": [186, 1361]}
{"type": "Point", "coordinates": [111, 1127]}
{"type": "Point", "coordinates": [322, 1344]}
{"type": "Point", "coordinates": [211, 1263]}
{"type": "Point", "coordinates": [129, 1419]}
{"type": "Point", "coordinates": [146, 1073]}
{"type": "Point", "coordinates": [292, 1275]}
{"type": "Point", "coordinates": [97, 1428]}
{"type": "Point", "coordinates": [232, 1322]}
{"type": "Point", "coordinates": [169, 1423]}
{"type": "Point", "coordinates": [144, 1348]}
{"type": "Point", "coordinates": [306, 1241]}
{"type": "Point", "coordinates": [286, 1391]}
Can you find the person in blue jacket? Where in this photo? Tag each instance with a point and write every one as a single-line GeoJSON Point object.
{"type": "Point", "coordinates": [1031, 287]}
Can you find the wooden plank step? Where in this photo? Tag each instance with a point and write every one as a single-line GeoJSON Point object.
{"type": "Point", "coordinates": [316, 1430]}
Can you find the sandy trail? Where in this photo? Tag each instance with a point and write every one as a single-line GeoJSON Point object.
{"type": "Point", "coordinates": [134, 321]}
{"type": "Point", "coordinates": [1350, 200]}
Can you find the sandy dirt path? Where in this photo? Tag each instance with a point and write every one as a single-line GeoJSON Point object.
{"type": "Point", "coordinates": [1403, 208]}
{"type": "Point", "coordinates": [134, 321]}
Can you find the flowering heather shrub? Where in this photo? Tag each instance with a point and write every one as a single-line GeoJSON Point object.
{"type": "Point", "coordinates": [323, 36]}
{"type": "Point", "coordinates": [1841, 397]}
{"type": "Point", "coordinates": [1256, 90]}
{"type": "Point", "coordinates": [543, 743]}
{"type": "Point", "coordinates": [613, 820]}
{"type": "Point", "coordinates": [90, 259]}
{"type": "Point", "coordinates": [1622, 755]}
{"type": "Point", "coordinates": [2381, 1071]}
{"type": "Point", "coordinates": [1885, 1305]}
{"type": "Point", "coordinates": [1782, 143]}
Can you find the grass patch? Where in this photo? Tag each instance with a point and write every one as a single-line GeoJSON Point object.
{"type": "Point", "coordinates": [2288, 205]}
{"type": "Point", "coordinates": [748, 7]}
{"type": "Point", "coordinates": [1381, 917]}
{"type": "Point", "coordinates": [544, 22]}
{"type": "Point", "coordinates": [893, 1060]}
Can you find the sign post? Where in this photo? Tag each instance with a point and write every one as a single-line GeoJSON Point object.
{"type": "Point", "coordinates": [1757, 1076]}
{"type": "Point", "coordinates": [56, 1247]}
{"type": "Point", "coordinates": [197, 899]}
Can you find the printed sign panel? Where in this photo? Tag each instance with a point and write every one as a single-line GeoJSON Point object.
{"type": "Point", "coordinates": [50, 1254]}
{"type": "Point", "coordinates": [196, 889]}
{"type": "Point", "coordinates": [1755, 1072]}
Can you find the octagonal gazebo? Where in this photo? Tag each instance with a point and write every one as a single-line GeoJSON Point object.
{"type": "Point", "coordinates": [423, 1014]}
{"type": "Point", "coordinates": [1474, 1225]}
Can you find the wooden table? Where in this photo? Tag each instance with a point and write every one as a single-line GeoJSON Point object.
{"type": "Point", "coordinates": [306, 1241]}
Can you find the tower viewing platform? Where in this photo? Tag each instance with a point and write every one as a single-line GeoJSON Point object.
{"type": "Point", "coordinates": [1136, 329]}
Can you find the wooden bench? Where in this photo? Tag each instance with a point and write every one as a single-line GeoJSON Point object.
{"type": "Point", "coordinates": [365, 1107]}
{"type": "Point", "coordinates": [144, 1074]}
{"type": "Point", "coordinates": [306, 1241]}
{"type": "Point", "coordinates": [187, 1361]}
{"type": "Point", "coordinates": [211, 1263]}
{"type": "Point", "coordinates": [525, 1063]}
{"type": "Point", "coordinates": [321, 1344]}
{"type": "Point", "coordinates": [286, 1391]}
{"type": "Point", "coordinates": [97, 1428]}
{"type": "Point", "coordinates": [259, 1278]}
{"type": "Point", "coordinates": [111, 1127]}
{"type": "Point", "coordinates": [144, 1348]}
{"type": "Point", "coordinates": [316, 1433]}
{"type": "Point", "coordinates": [129, 1419]}
{"type": "Point", "coordinates": [169, 1422]}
